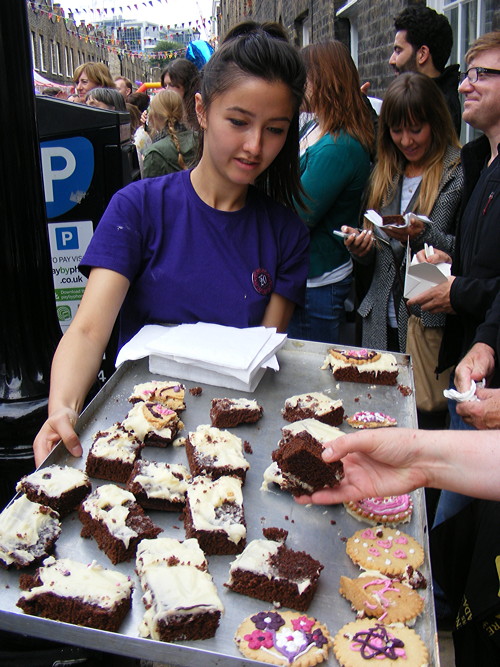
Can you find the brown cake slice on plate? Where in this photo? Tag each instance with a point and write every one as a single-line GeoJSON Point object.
{"type": "Point", "coordinates": [153, 423]}
{"type": "Point", "coordinates": [117, 523]}
{"type": "Point", "coordinates": [60, 487]}
{"type": "Point", "coordinates": [72, 592]}
{"type": "Point", "coordinates": [393, 220]}
{"type": "Point", "coordinates": [112, 454]}
{"type": "Point", "coordinates": [159, 486]}
{"type": "Point", "coordinates": [170, 393]}
{"type": "Point", "coordinates": [215, 515]}
{"type": "Point", "coordinates": [28, 533]}
{"type": "Point", "coordinates": [298, 464]}
{"type": "Point", "coordinates": [362, 365]}
{"type": "Point", "coordinates": [230, 412]}
{"type": "Point", "coordinates": [313, 405]}
{"type": "Point", "coordinates": [180, 597]}
{"type": "Point", "coordinates": [215, 452]}
{"type": "Point", "coordinates": [270, 571]}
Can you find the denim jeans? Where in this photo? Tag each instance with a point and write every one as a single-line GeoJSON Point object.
{"type": "Point", "coordinates": [323, 314]}
{"type": "Point", "coordinates": [450, 503]}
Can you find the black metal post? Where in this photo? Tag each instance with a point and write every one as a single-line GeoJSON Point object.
{"type": "Point", "coordinates": [29, 329]}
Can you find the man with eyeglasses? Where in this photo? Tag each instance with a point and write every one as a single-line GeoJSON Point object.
{"type": "Point", "coordinates": [423, 44]}
{"type": "Point", "coordinates": [475, 281]}
{"type": "Point", "coordinates": [471, 299]}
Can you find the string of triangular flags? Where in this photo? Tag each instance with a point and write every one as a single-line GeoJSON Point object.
{"type": "Point", "coordinates": [124, 44]}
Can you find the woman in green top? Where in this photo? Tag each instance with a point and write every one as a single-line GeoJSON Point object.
{"type": "Point", "coordinates": [174, 146]}
{"type": "Point", "coordinates": [335, 165]}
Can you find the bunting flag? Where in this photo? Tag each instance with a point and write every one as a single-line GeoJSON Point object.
{"type": "Point", "coordinates": [121, 45]}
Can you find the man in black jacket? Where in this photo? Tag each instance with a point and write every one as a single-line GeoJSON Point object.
{"type": "Point", "coordinates": [474, 284]}
{"type": "Point", "coordinates": [423, 44]}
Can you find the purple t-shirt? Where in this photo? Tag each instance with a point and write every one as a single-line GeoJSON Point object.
{"type": "Point", "coordinates": [188, 262]}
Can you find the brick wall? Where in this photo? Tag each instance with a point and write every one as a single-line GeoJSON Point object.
{"type": "Point", "coordinates": [375, 24]}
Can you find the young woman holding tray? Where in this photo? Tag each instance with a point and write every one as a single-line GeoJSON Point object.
{"type": "Point", "coordinates": [217, 244]}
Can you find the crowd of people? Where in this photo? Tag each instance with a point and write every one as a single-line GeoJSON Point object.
{"type": "Point", "coordinates": [273, 155]}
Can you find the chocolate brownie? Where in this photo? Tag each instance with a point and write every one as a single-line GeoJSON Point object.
{"type": "Point", "coordinates": [300, 462]}
{"type": "Point", "coordinates": [153, 423]}
{"type": "Point", "coordinates": [180, 598]}
{"type": "Point", "coordinates": [112, 454]}
{"type": "Point", "coordinates": [270, 571]}
{"type": "Point", "coordinates": [362, 365]}
{"type": "Point", "coordinates": [230, 412]}
{"type": "Point", "coordinates": [117, 523]}
{"type": "Point", "coordinates": [159, 486]}
{"type": "Point", "coordinates": [28, 532]}
{"type": "Point", "coordinates": [313, 405]}
{"type": "Point", "coordinates": [60, 487]}
{"type": "Point", "coordinates": [214, 452]}
{"type": "Point", "coordinates": [72, 592]}
{"type": "Point", "coordinates": [214, 514]}
{"type": "Point", "coordinates": [169, 393]}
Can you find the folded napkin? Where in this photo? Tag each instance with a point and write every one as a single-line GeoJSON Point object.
{"type": "Point", "coordinates": [461, 397]}
{"type": "Point", "coordinates": [209, 353]}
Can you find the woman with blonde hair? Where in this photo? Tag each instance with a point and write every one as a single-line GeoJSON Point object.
{"type": "Point", "coordinates": [91, 75]}
{"type": "Point", "coordinates": [174, 146]}
{"type": "Point", "coordinates": [418, 170]}
{"type": "Point", "coordinates": [334, 165]}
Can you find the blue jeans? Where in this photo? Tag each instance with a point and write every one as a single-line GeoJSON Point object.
{"type": "Point", "coordinates": [450, 503]}
{"type": "Point", "coordinates": [323, 313]}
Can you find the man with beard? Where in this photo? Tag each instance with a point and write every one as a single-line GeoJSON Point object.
{"type": "Point", "coordinates": [423, 44]}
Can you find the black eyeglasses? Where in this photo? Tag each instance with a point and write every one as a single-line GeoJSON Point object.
{"type": "Point", "coordinates": [473, 73]}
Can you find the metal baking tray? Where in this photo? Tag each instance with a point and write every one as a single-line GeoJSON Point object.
{"type": "Point", "coordinates": [318, 530]}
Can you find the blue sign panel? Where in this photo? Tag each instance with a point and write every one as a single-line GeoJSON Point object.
{"type": "Point", "coordinates": [68, 168]}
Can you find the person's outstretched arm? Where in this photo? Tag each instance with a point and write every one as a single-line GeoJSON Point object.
{"type": "Point", "coordinates": [77, 360]}
{"type": "Point", "coordinates": [391, 461]}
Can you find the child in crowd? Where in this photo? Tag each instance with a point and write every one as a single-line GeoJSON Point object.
{"type": "Point", "coordinates": [174, 146]}
{"type": "Point", "coordinates": [218, 243]}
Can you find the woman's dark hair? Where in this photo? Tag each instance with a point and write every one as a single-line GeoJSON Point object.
{"type": "Point", "coordinates": [250, 49]}
{"type": "Point", "coordinates": [109, 96]}
{"type": "Point", "coordinates": [183, 72]}
{"type": "Point", "coordinates": [140, 100]}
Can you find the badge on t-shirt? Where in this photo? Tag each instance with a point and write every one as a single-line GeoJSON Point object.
{"type": "Point", "coordinates": [262, 281]}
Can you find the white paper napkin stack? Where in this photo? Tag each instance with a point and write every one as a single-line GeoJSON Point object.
{"type": "Point", "coordinates": [207, 353]}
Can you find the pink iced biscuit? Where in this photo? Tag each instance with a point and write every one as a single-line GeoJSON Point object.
{"type": "Point", "coordinates": [365, 419]}
{"type": "Point", "coordinates": [389, 510]}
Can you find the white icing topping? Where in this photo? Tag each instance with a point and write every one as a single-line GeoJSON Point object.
{"type": "Point", "coordinates": [241, 404]}
{"type": "Point", "coordinates": [315, 400]}
{"type": "Point", "coordinates": [115, 444]}
{"type": "Point", "coordinates": [386, 362]}
{"type": "Point", "coordinates": [163, 480]}
{"type": "Point", "coordinates": [206, 496]}
{"type": "Point", "coordinates": [55, 480]}
{"type": "Point", "coordinates": [168, 392]}
{"type": "Point", "coordinates": [171, 588]}
{"type": "Point", "coordinates": [223, 448]}
{"type": "Point", "coordinates": [321, 432]}
{"type": "Point", "coordinates": [89, 583]}
{"type": "Point", "coordinates": [255, 558]}
{"type": "Point", "coordinates": [137, 422]}
{"type": "Point", "coordinates": [107, 504]}
{"type": "Point", "coordinates": [23, 525]}
{"type": "Point", "coordinates": [272, 474]}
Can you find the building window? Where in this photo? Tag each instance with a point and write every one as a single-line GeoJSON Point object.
{"type": "Point", "coordinates": [33, 49]}
{"type": "Point", "coordinates": [469, 19]}
{"type": "Point", "coordinates": [58, 53]}
{"type": "Point", "coordinates": [40, 53]}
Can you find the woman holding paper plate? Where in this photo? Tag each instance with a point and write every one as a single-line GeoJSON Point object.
{"type": "Point", "coordinates": [418, 170]}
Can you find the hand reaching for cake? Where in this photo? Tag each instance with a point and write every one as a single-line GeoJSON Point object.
{"type": "Point", "coordinates": [387, 461]}
{"type": "Point", "coordinates": [59, 426]}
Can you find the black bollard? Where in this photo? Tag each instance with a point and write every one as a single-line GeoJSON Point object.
{"type": "Point", "coordinates": [29, 328]}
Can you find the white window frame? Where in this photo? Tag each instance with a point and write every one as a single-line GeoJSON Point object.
{"type": "Point", "coordinates": [41, 54]}
{"type": "Point", "coordinates": [444, 7]}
